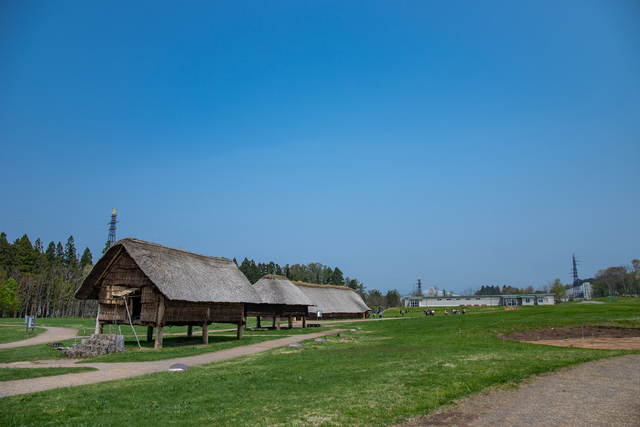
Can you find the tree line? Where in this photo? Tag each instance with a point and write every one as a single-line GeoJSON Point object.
{"type": "Point", "coordinates": [320, 274]}
{"type": "Point", "coordinates": [42, 282]}
{"type": "Point", "coordinates": [619, 280]}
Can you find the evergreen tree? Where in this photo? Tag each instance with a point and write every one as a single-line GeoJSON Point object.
{"type": "Point", "coordinates": [70, 255]}
{"type": "Point", "coordinates": [87, 259]}
{"type": "Point", "coordinates": [106, 247]}
{"type": "Point", "coordinates": [60, 253]}
{"type": "Point", "coordinates": [38, 245]}
{"type": "Point", "coordinates": [51, 253]}
{"type": "Point", "coordinates": [337, 278]}
{"type": "Point", "coordinates": [24, 259]}
{"type": "Point", "coordinates": [5, 252]}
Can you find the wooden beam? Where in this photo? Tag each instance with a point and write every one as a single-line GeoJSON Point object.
{"type": "Point", "coordinates": [205, 333]}
{"type": "Point", "coordinates": [278, 322]}
{"type": "Point", "coordinates": [258, 322]}
{"type": "Point", "coordinates": [149, 333]}
{"type": "Point", "coordinates": [189, 331]}
{"type": "Point", "coordinates": [290, 322]}
{"type": "Point", "coordinates": [304, 321]}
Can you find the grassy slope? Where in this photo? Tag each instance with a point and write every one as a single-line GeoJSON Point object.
{"type": "Point", "coordinates": [26, 373]}
{"type": "Point", "coordinates": [380, 375]}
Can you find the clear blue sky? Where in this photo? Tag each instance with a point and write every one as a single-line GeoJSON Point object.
{"type": "Point", "coordinates": [469, 143]}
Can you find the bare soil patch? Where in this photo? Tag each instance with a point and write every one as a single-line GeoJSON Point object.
{"type": "Point", "coordinates": [600, 337]}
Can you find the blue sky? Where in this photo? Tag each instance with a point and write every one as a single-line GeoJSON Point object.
{"type": "Point", "coordinates": [469, 143]}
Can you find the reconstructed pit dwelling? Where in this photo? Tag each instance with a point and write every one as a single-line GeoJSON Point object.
{"type": "Point", "coordinates": [142, 283]}
{"type": "Point", "coordinates": [155, 286]}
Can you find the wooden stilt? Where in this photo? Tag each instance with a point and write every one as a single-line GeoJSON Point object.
{"type": "Point", "coordinates": [290, 322]}
{"type": "Point", "coordinates": [258, 322]}
{"type": "Point", "coordinates": [240, 330]}
{"type": "Point", "coordinates": [189, 331]}
{"type": "Point", "coordinates": [205, 333]}
{"type": "Point", "coordinates": [273, 322]}
{"type": "Point", "coordinates": [149, 333]}
{"type": "Point", "coordinates": [278, 322]}
{"type": "Point", "coordinates": [159, 324]}
{"type": "Point", "coordinates": [304, 321]}
{"type": "Point", "coordinates": [158, 343]}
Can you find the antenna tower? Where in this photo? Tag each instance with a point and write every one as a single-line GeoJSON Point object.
{"type": "Point", "coordinates": [576, 281]}
{"type": "Point", "coordinates": [112, 228]}
{"type": "Point", "coordinates": [417, 288]}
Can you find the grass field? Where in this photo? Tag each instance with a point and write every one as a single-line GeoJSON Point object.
{"type": "Point", "coordinates": [380, 375]}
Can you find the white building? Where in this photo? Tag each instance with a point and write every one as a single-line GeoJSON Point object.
{"type": "Point", "coordinates": [479, 300]}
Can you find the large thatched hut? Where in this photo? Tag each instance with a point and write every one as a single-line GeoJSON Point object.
{"type": "Point", "coordinates": [334, 302]}
{"type": "Point", "coordinates": [280, 299]}
{"type": "Point", "coordinates": [155, 286]}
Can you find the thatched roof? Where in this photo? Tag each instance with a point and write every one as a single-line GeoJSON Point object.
{"type": "Point", "coordinates": [275, 289]}
{"type": "Point", "coordinates": [178, 274]}
{"type": "Point", "coordinates": [333, 299]}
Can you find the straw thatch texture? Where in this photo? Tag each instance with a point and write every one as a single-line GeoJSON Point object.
{"type": "Point", "coordinates": [178, 275]}
{"type": "Point", "coordinates": [334, 301]}
{"type": "Point", "coordinates": [279, 290]}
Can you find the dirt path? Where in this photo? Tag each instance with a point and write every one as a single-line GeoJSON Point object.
{"type": "Point", "coordinates": [117, 371]}
{"type": "Point", "coordinates": [52, 334]}
{"type": "Point", "coordinates": [601, 393]}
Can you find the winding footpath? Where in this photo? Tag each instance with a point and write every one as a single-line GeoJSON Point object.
{"type": "Point", "coordinates": [52, 334]}
{"type": "Point", "coordinates": [118, 371]}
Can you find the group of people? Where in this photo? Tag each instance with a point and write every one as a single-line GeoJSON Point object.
{"type": "Point", "coordinates": [428, 312]}
{"type": "Point", "coordinates": [456, 311]}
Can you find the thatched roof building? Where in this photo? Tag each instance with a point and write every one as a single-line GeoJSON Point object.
{"type": "Point", "coordinates": [280, 298]}
{"type": "Point", "coordinates": [153, 285]}
{"type": "Point", "coordinates": [334, 302]}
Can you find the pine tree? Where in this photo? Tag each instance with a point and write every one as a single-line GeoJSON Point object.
{"type": "Point", "coordinates": [5, 252]}
{"type": "Point", "coordinates": [70, 255]}
{"type": "Point", "coordinates": [87, 259]}
{"type": "Point", "coordinates": [24, 259]}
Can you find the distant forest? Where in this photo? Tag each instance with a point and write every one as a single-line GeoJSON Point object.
{"type": "Point", "coordinates": [42, 282]}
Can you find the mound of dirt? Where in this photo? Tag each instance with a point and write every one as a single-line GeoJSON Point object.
{"type": "Point", "coordinates": [601, 337]}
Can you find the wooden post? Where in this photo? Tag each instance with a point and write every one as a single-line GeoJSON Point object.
{"type": "Point", "coordinates": [149, 333]}
{"type": "Point", "coordinates": [258, 322]}
{"type": "Point", "coordinates": [304, 321]}
{"type": "Point", "coordinates": [273, 322]}
{"type": "Point", "coordinates": [98, 321]}
{"type": "Point", "coordinates": [205, 333]}
{"type": "Point", "coordinates": [240, 330]}
{"type": "Point", "coordinates": [158, 343]}
{"type": "Point", "coordinates": [189, 331]}
{"type": "Point", "coordinates": [159, 324]}
{"type": "Point", "coordinates": [278, 322]}
{"type": "Point", "coordinates": [290, 322]}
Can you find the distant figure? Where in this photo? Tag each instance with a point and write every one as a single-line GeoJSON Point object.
{"type": "Point", "coordinates": [464, 311]}
{"type": "Point", "coordinates": [445, 312]}
{"type": "Point", "coordinates": [401, 313]}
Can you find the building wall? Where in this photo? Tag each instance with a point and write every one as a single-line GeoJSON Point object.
{"type": "Point", "coordinates": [480, 300]}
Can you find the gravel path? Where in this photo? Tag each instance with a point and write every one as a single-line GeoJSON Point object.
{"type": "Point", "coordinates": [601, 393]}
{"type": "Point", "coordinates": [117, 371]}
{"type": "Point", "coordinates": [52, 334]}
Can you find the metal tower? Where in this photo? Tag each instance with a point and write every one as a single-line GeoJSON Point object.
{"type": "Point", "coordinates": [576, 281]}
{"type": "Point", "coordinates": [112, 228]}
{"type": "Point", "coordinates": [417, 288]}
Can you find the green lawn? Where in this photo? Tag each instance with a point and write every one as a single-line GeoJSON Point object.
{"type": "Point", "coordinates": [10, 374]}
{"type": "Point", "coordinates": [380, 375]}
{"type": "Point", "coordinates": [17, 333]}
